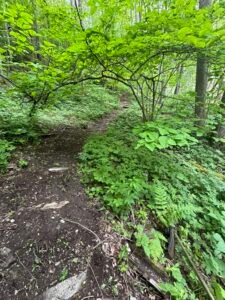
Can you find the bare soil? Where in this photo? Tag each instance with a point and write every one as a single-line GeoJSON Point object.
{"type": "Point", "coordinates": [49, 245]}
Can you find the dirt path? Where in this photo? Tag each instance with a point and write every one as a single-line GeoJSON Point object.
{"type": "Point", "coordinates": [46, 248]}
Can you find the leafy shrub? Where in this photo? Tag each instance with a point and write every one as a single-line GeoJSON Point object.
{"type": "Point", "coordinates": [5, 153]}
{"type": "Point", "coordinates": [157, 135]}
{"type": "Point", "coordinates": [16, 125]}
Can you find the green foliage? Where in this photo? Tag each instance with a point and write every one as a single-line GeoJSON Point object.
{"type": "Point", "coordinates": [168, 204]}
{"type": "Point", "coordinates": [40, 56]}
{"type": "Point", "coordinates": [15, 123]}
{"type": "Point", "coordinates": [179, 289]}
{"type": "Point", "coordinates": [156, 135]}
{"type": "Point", "coordinates": [123, 258]}
{"type": "Point", "coordinates": [152, 243]}
{"type": "Point", "coordinates": [156, 169]}
{"type": "Point", "coordinates": [23, 163]}
{"type": "Point", "coordinates": [5, 153]}
{"type": "Point", "coordinates": [78, 105]}
{"type": "Point", "coordinates": [64, 274]}
{"type": "Point", "coordinates": [219, 291]}
{"type": "Point", "coordinates": [182, 186]}
{"type": "Point", "coordinates": [74, 107]}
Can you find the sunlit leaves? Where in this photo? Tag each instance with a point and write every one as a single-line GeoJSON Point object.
{"type": "Point", "coordinates": [160, 136]}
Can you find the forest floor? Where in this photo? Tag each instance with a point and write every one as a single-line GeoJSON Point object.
{"type": "Point", "coordinates": [50, 228]}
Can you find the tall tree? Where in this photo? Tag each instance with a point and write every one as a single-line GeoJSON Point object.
{"type": "Point", "coordinates": [36, 39]}
{"type": "Point", "coordinates": [201, 80]}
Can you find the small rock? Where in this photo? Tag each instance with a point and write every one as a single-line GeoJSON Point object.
{"type": "Point", "coordinates": [54, 205]}
{"type": "Point", "coordinates": [51, 270]}
{"type": "Point", "coordinates": [60, 169]}
{"type": "Point", "coordinates": [6, 258]}
{"type": "Point", "coordinates": [65, 290]}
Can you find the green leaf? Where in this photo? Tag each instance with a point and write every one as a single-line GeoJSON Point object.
{"type": "Point", "coordinates": [163, 140]}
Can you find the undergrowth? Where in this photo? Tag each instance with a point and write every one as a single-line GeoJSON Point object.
{"type": "Point", "coordinates": [155, 177]}
{"type": "Point", "coordinates": [73, 106]}
{"type": "Point", "coordinates": [78, 105]}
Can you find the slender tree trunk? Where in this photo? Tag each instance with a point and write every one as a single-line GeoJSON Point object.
{"type": "Point", "coordinates": [221, 126]}
{"type": "Point", "coordinates": [178, 85]}
{"type": "Point", "coordinates": [36, 40]}
{"type": "Point", "coordinates": [201, 81]}
{"type": "Point", "coordinates": [200, 90]}
{"type": "Point", "coordinates": [9, 57]}
{"type": "Point", "coordinates": [78, 2]}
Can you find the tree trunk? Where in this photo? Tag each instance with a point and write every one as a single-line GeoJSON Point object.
{"type": "Point", "coordinates": [9, 57]}
{"type": "Point", "coordinates": [178, 85]}
{"type": "Point", "coordinates": [221, 126]}
{"type": "Point", "coordinates": [201, 81]}
{"type": "Point", "coordinates": [36, 40]}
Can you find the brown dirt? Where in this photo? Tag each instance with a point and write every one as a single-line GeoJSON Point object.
{"type": "Point", "coordinates": [47, 248]}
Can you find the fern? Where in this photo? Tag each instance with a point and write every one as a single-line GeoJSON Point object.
{"type": "Point", "coordinates": [167, 211]}
{"type": "Point", "coordinates": [160, 201]}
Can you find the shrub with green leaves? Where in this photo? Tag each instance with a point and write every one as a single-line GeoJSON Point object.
{"type": "Point", "coordinates": [174, 186]}
{"type": "Point", "coordinates": [158, 135]}
{"type": "Point", "coordinates": [15, 123]}
{"type": "Point", "coordinates": [5, 153]}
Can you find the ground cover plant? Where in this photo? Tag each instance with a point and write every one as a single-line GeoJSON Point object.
{"type": "Point", "coordinates": [160, 180]}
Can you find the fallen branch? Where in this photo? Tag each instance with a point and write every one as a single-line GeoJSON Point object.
{"type": "Point", "coordinates": [96, 280]}
{"type": "Point", "coordinates": [148, 273]}
{"type": "Point", "coordinates": [189, 259]}
{"type": "Point", "coordinates": [156, 269]}
{"type": "Point", "coordinates": [82, 226]}
{"type": "Point", "coordinates": [171, 246]}
{"type": "Point", "coordinates": [87, 297]}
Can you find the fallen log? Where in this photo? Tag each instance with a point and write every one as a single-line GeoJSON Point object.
{"type": "Point", "coordinates": [152, 273]}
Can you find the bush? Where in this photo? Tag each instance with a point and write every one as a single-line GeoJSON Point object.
{"type": "Point", "coordinates": [5, 153]}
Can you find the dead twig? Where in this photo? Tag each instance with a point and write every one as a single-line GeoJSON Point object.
{"type": "Point", "coordinates": [96, 280]}
{"type": "Point", "coordinates": [25, 268]}
{"type": "Point", "coordinates": [82, 226]}
{"type": "Point", "coordinates": [189, 259]}
{"type": "Point", "coordinates": [99, 243]}
{"type": "Point", "coordinates": [125, 281]}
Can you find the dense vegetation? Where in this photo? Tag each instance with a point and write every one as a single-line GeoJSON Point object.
{"type": "Point", "coordinates": [151, 190]}
{"type": "Point", "coordinates": [160, 168]}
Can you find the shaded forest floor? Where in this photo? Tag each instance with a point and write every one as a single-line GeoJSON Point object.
{"type": "Point", "coordinates": [38, 205]}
